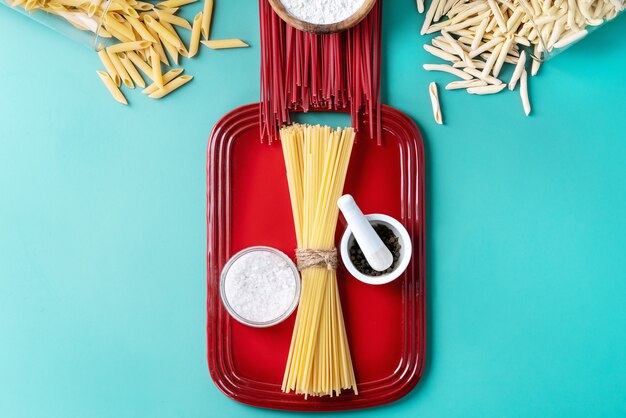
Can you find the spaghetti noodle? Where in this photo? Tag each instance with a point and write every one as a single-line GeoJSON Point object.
{"type": "Point", "coordinates": [316, 159]}
{"type": "Point", "coordinates": [302, 71]}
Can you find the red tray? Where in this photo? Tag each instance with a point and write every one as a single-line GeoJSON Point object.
{"type": "Point", "coordinates": [248, 204]}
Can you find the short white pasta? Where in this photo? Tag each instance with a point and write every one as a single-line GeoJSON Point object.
{"type": "Point", "coordinates": [420, 6]}
{"type": "Point", "coordinates": [492, 89]}
{"type": "Point", "coordinates": [570, 39]}
{"type": "Point", "coordinates": [523, 90]}
{"type": "Point", "coordinates": [477, 38]}
{"type": "Point", "coordinates": [440, 53]}
{"type": "Point", "coordinates": [434, 99]}
{"type": "Point", "coordinates": [519, 68]}
{"type": "Point", "coordinates": [465, 84]}
{"type": "Point", "coordinates": [448, 69]}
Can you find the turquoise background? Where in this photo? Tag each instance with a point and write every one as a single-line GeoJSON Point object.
{"type": "Point", "coordinates": [102, 231]}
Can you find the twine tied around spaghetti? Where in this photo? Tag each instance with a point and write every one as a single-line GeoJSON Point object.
{"type": "Point", "coordinates": [307, 258]}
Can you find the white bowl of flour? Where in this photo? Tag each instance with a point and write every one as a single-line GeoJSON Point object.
{"type": "Point", "coordinates": [260, 286]}
{"type": "Point", "coordinates": [322, 16]}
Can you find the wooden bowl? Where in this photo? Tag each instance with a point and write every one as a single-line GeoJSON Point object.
{"type": "Point", "coordinates": [281, 11]}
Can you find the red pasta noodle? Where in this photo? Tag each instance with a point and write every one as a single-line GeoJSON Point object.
{"type": "Point", "coordinates": [301, 71]}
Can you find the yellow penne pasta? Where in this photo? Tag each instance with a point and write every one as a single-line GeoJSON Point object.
{"type": "Point", "coordinates": [71, 3]}
{"type": "Point", "coordinates": [106, 61]}
{"type": "Point", "coordinates": [196, 31]}
{"type": "Point", "coordinates": [153, 14]}
{"type": "Point", "coordinates": [158, 45]}
{"type": "Point", "coordinates": [123, 6]}
{"type": "Point", "coordinates": [128, 46]}
{"type": "Point", "coordinates": [31, 5]}
{"type": "Point", "coordinates": [122, 3]}
{"type": "Point", "coordinates": [174, 20]}
{"type": "Point", "coordinates": [142, 6]}
{"type": "Point", "coordinates": [171, 50]}
{"type": "Point", "coordinates": [174, 3]}
{"type": "Point", "coordinates": [102, 33]}
{"type": "Point", "coordinates": [117, 29]}
{"type": "Point", "coordinates": [163, 32]}
{"type": "Point", "coordinates": [132, 71]}
{"type": "Point", "coordinates": [110, 85]}
{"type": "Point", "coordinates": [55, 8]}
{"type": "Point", "coordinates": [130, 28]}
{"type": "Point", "coordinates": [181, 49]}
{"type": "Point", "coordinates": [171, 86]}
{"type": "Point", "coordinates": [207, 14]}
{"type": "Point", "coordinates": [141, 30]}
{"type": "Point", "coordinates": [143, 55]}
{"type": "Point", "coordinates": [112, 7]}
{"type": "Point", "coordinates": [93, 7]}
{"type": "Point", "coordinates": [117, 16]}
{"type": "Point", "coordinates": [143, 38]}
{"type": "Point", "coordinates": [155, 61]}
{"type": "Point", "coordinates": [119, 67]}
{"type": "Point", "coordinates": [167, 77]}
{"type": "Point", "coordinates": [225, 43]}
{"type": "Point", "coordinates": [140, 64]}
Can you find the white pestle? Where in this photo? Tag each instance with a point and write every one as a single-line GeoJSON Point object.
{"type": "Point", "coordinates": [376, 253]}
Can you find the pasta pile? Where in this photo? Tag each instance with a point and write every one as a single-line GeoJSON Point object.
{"type": "Point", "coordinates": [147, 36]}
{"type": "Point", "coordinates": [301, 71]}
{"type": "Point", "coordinates": [477, 37]}
{"type": "Point", "coordinates": [316, 159]}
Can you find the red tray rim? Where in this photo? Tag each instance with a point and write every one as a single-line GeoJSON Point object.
{"type": "Point", "coordinates": [404, 379]}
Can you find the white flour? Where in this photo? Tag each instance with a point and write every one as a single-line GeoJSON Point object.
{"type": "Point", "coordinates": [260, 286]}
{"type": "Point", "coordinates": [322, 11]}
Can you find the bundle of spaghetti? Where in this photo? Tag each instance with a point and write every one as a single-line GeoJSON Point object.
{"type": "Point", "coordinates": [316, 159]}
{"type": "Point", "coordinates": [302, 71]}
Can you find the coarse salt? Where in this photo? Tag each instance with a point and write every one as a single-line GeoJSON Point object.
{"type": "Point", "coordinates": [322, 12]}
{"type": "Point", "coordinates": [260, 286]}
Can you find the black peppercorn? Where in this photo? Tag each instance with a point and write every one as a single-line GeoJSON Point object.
{"type": "Point", "coordinates": [390, 240]}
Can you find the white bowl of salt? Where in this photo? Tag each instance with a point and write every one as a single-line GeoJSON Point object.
{"type": "Point", "coordinates": [260, 286]}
